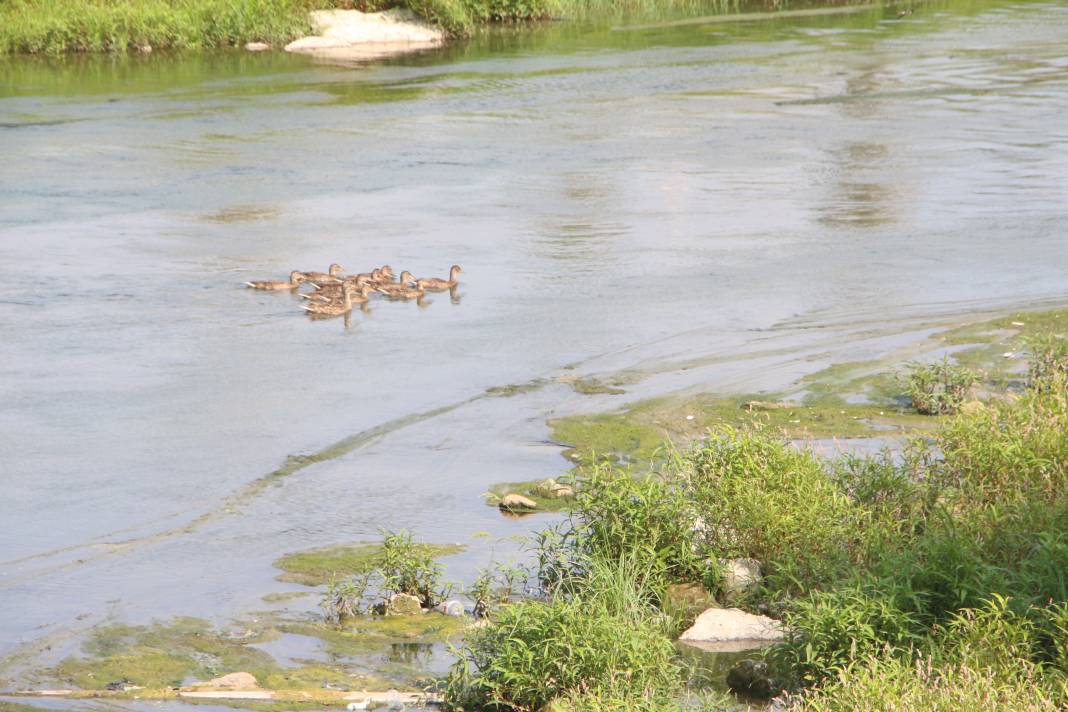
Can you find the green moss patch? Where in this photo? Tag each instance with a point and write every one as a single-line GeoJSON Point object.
{"type": "Point", "coordinates": [163, 655]}
{"type": "Point", "coordinates": [593, 386]}
{"type": "Point", "coordinates": [316, 567]}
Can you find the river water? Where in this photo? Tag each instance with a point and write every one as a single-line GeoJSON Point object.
{"type": "Point", "coordinates": [723, 205]}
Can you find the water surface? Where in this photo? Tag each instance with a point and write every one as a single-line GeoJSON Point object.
{"type": "Point", "coordinates": [714, 205]}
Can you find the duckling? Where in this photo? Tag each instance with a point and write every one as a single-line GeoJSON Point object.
{"type": "Point", "coordinates": [350, 295]}
{"type": "Point", "coordinates": [295, 278]}
{"type": "Point", "coordinates": [435, 284]}
{"type": "Point", "coordinates": [331, 277]}
{"type": "Point", "coordinates": [402, 289]}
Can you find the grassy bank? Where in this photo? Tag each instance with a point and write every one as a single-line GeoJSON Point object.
{"type": "Point", "coordinates": [931, 579]}
{"type": "Point", "coordinates": [58, 26]}
{"type": "Point", "coordinates": [63, 26]}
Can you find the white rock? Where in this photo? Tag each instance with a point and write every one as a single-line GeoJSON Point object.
{"type": "Point", "coordinates": [733, 626]}
{"type": "Point", "coordinates": [257, 46]}
{"type": "Point", "coordinates": [351, 34]}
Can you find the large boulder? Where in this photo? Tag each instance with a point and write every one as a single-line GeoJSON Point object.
{"type": "Point", "coordinates": [741, 577]}
{"type": "Point", "coordinates": [351, 34]}
{"type": "Point", "coordinates": [753, 678]}
{"type": "Point", "coordinates": [403, 604]}
{"type": "Point", "coordinates": [732, 629]}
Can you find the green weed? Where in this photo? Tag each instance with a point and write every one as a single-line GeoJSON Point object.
{"type": "Point", "coordinates": [938, 388]}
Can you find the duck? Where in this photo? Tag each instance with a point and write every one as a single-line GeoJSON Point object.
{"type": "Point", "coordinates": [333, 289]}
{"type": "Point", "coordinates": [435, 284]}
{"type": "Point", "coordinates": [402, 289]}
{"type": "Point", "coordinates": [295, 279]}
{"type": "Point", "coordinates": [383, 275]}
{"type": "Point", "coordinates": [330, 277]}
{"type": "Point", "coordinates": [350, 295]}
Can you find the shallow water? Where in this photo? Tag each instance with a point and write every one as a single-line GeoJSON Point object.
{"type": "Point", "coordinates": [714, 205]}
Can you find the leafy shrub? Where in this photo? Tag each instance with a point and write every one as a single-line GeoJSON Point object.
{"type": "Point", "coordinates": [895, 685]}
{"type": "Point", "coordinates": [938, 388]}
{"type": "Point", "coordinates": [602, 639]}
{"type": "Point", "coordinates": [649, 520]}
{"type": "Point", "coordinates": [763, 499]}
{"type": "Point", "coordinates": [1014, 450]}
{"type": "Point", "coordinates": [344, 597]}
{"type": "Point", "coordinates": [409, 568]}
{"type": "Point", "coordinates": [1048, 366]}
{"type": "Point", "coordinates": [828, 631]}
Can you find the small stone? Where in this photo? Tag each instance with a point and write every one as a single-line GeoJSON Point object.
{"type": "Point", "coordinates": [1017, 323]}
{"type": "Point", "coordinates": [145, 49]}
{"type": "Point", "coordinates": [752, 678]}
{"type": "Point", "coordinates": [517, 502]}
{"type": "Point", "coordinates": [257, 46]}
{"type": "Point", "coordinates": [403, 604]}
{"type": "Point", "coordinates": [562, 491]}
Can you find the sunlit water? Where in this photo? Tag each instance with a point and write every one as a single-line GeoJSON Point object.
{"type": "Point", "coordinates": [723, 205]}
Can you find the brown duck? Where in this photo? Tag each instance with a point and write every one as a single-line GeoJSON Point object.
{"type": "Point", "coordinates": [434, 284]}
{"type": "Point", "coordinates": [350, 294]}
{"type": "Point", "coordinates": [295, 278]}
{"type": "Point", "coordinates": [333, 276]}
{"type": "Point", "coordinates": [402, 289]}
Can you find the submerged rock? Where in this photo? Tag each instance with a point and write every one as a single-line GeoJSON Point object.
{"type": "Point", "coordinates": [753, 678]}
{"type": "Point", "coordinates": [732, 629]}
{"type": "Point", "coordinates": [518, 502]}
{"type": "Point", "coordinates": [740, 577]}
{"type": "Point", "coordinates": [403, 604]}
{"type": "Point", "coordinates": [351, 34]}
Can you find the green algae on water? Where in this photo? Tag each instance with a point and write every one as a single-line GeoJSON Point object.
{"type": "Point", "coordinates": [317, 567]}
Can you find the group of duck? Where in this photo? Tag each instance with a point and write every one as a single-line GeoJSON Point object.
{"type": "Point", "coordinates": [335, 293]}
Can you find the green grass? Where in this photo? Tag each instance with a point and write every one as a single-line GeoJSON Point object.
{"type": "Point", "coordinates": [55, 26]}
{"type": "Point", "coordinates": [600, 639]}
{"type": "Point", "coordinates": [317, 567]}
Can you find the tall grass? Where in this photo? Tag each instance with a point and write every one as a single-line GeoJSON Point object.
{"type": "Point", "coordinates": [53, 26]}
{"type": "Point", "coordinates": [593, 642]}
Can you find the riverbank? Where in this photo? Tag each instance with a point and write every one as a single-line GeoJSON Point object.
{"type": "Point", "coordinates": [62, 26]}
{"type": "Point", "coordinates": [76, 26]}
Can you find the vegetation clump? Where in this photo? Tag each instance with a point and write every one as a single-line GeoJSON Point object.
{"type": "Point", "coordinates": [938, 388]}
{"type": "Point", "coordinates": [929, 578]}
{"type": "Point", "coordinates": [400, 566]}
{"type": "Point", "coordinates": [316, 567]}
